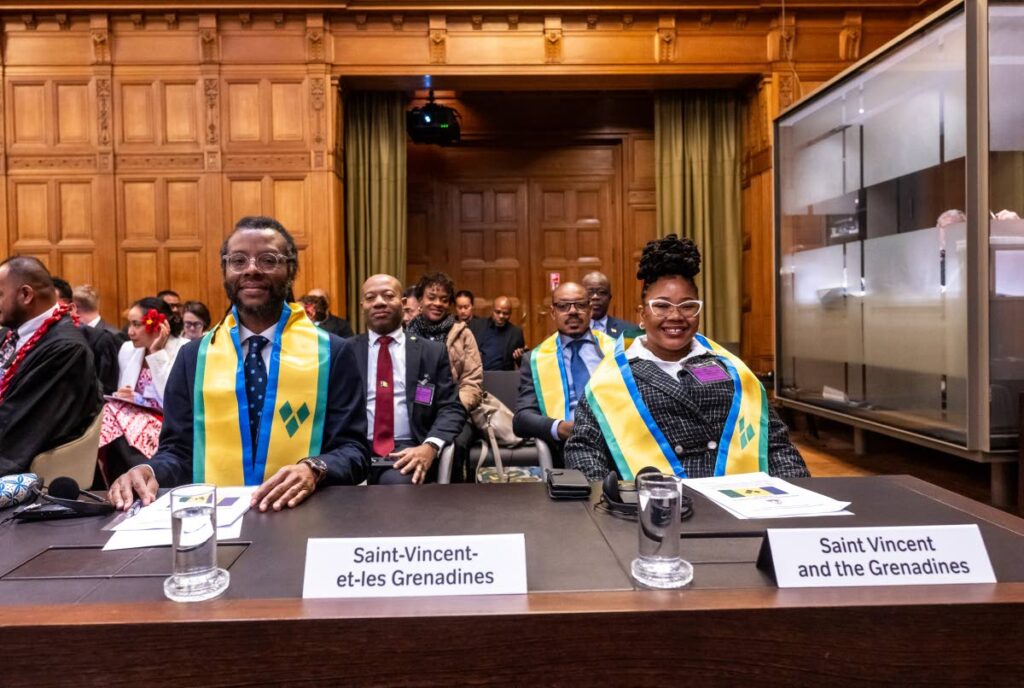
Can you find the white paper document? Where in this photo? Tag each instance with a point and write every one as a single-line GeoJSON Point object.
{"type": "Point", "coordinates": [232, 503]}
{"type": "Point", "coordinates": [159, 537]}
{"type": "Point", "coordinates": [758, 495]}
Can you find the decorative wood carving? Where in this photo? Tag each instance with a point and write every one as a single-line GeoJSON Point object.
{"type": "Point", "coordinates": [741, 20]}
{"type": "Point", "coordinates": [478, 21]}
{"type": "Point", "coordinates": [627, 21]}
{"type": "Point", "coordinates": [849, 36]}
{"type": "Point", "coordinates": [438, 39]}
{"type": "Point", "coordinates": [103, 110]}
{"type": "Point", "coordinates": [781, 39]}
{"type": "Point", "coordinates": [47, 162]}
{"type": "Point", "coordinates": [62, 21]}
{"type": "Point", "coordinates": [138, 21]}
{"type": "Point", "coordinates": [318, 159]}
{"type": "Point", "coordinates": [211, 89]}
{"type": "Point", "coordinates": [172, 20]}
{"type": "Point", "coordinates": [315, 38]}
{"type": "Point", "coordinates": [208, 45]}
{"type": "Point", "coordinates": [398, 21]}
{"type": "Point", "coordinates": [100, 46]}
{"type": "Point", "coordinates": [552, 40]}
{"type": "Point", "coordinates": [245, 18]}
{"type": "Point", "coordinates": [591, 21]}
{"type": "Point", "coordinates": [787, 90]}
{"type": "Point", "coordinates": [264, 162]}
{"type": "Point", "coordinates": [105, 161]}
{"type": "Point", "coordinates": [29, 20]}
{"type": "Point", "coordinates": [705, 21]}
{"type": "Point", "coordinates": [513, 22]}
{"type": "Point", "coordinates": [316, 91]}
{"type": "Point", "coordinates": [162, 162]}
{"type": "Point", "coordinates": [213, 161]}
{"type": "Point", "coordinates": [361, 21]}
{"type": "Point", "coordinates": [666, 38]}
{"type": "Point", "coordinates": [278, 20]}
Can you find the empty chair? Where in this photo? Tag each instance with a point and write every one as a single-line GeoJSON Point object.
{"type": "Point", "coordinates": [504, 385]}
{"type": "Point", "coordinates": [75, 459]}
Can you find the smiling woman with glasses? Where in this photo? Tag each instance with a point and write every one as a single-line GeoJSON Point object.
{"type": "Point", "coordinates": [672, 398]}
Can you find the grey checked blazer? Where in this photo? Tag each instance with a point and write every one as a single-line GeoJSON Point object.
{"type": "Point", "coordinates": [691, 416]}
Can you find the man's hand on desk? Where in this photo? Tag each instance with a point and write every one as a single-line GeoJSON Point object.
{"type": "Point", "coordinates": [288, 487]}
{"type": "Point", "coordinates": [416, 459]}
{"type": "Point", "coordinates": [138, 481]}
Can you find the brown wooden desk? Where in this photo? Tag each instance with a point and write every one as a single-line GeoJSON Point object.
{"type": "Point", "coordinates": [580, 624]}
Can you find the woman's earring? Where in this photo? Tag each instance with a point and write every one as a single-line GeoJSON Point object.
{"type": "Point", "coordinates": [642, 325]}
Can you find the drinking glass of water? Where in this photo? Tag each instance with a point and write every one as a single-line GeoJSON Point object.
{"type": "Point", "coordinates": [660, 564]}
{"type": "Point", "coordinates": [196, 576]}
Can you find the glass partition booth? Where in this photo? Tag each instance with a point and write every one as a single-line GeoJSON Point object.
{"type": "Point", "coordinates": [899, 241]}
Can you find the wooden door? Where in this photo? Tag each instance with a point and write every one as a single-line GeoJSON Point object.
{"type": "Point", "coordinates": [573, 231]}
{"type": "Point", "coordinates": [489, 241]}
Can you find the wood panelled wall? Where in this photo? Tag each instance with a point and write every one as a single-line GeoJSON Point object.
{"type": "Point", "coordinates": [134, 136]}
{"type": "Point", "coordinates": [133, 143]}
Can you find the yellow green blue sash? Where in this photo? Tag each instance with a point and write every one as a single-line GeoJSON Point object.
{"type": "Point", "coordinates": [636, 441]}
{"type": "Point", "coordinates": [292, 422]}
{"type": "Point", "coordinates": [549, 377]}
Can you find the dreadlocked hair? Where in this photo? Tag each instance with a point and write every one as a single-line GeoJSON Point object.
{"type": "Point", "coordinates": [668, 257]}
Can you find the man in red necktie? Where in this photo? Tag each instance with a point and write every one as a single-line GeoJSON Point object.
{"type": "Point", "coordinates": [413, 407]}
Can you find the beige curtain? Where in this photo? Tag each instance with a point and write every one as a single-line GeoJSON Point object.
{"type": "Point", "coordinates": [697, 149]}
{"type": "Point", "coordinates": [375, 183]}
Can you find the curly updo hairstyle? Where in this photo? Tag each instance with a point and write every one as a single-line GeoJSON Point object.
{"type": "Point", "coordinates": [668, 257]}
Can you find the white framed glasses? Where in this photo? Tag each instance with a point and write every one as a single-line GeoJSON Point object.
{"type": "Point", "coordinates": [663, 308]}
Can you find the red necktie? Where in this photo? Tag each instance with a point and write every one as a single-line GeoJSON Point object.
{"type": "Point", "coordinates": [384, 406]}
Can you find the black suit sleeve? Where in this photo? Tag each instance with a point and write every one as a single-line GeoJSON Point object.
{"type": "Point", "coordinates": [104, 348]}
{"type": "Point", "coordinates": [50, 402]}
{"type": "Point", "coordinates": [516, 342]}
{"type": "Point", "coordinates": [528, 420]}
{"type": "Point", "coordinates": [344, 446]}
{"type": "Point", "coordinates": [172, 463]}
{"type": "Point", "coordinates": [450, 414]}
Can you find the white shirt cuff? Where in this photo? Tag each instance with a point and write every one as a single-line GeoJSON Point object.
{"type": "Point", "coordinates": [438, 443]}
{"type": "Point", "coordinates": [554, 430]}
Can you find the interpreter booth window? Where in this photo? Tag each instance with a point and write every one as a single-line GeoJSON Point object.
{"type": "Point", "coordinates": [872, 240]}
{"type": "Point", "coordinates": [1006, 188]}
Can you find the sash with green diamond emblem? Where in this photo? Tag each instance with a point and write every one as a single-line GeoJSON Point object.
{"type": "Point", "coordinates": [636, 441]}
{"type": "Point", "coordinates": [292, 421]}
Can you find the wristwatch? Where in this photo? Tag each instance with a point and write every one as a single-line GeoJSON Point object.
{"type": "Point", "coordinates": [318, 466]}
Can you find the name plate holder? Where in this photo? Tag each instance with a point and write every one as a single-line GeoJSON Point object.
{"type": "Point", "coordinates": [415, 566]}
{"type": "Point", "coordinates": [903, 555]}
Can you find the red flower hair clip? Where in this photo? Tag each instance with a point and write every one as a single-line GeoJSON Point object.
{"type": "Point", "coordinates": [153, 320]}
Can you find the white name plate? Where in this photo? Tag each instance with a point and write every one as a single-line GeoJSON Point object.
{"type": "Point", "coordinates": [906, 555]}
{"type": "Point", "coordinates": [415, 566]}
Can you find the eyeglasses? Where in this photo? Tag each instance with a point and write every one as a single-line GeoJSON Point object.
{"type": "Point", "coordinates": [566, 306]}
{"type": "Point", "coordinates": [662, 308]}
{"type": "Point", "coordinates": [598, 292]}
{"type": "Point", "coordinates": [265, 262]}
{"type": "Point", "coordinates": [197, 325]}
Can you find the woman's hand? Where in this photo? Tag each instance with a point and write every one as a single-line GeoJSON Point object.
{"type": "Point", "coordinates": [125, 393]}
{"type": "Point", "coordinates": [160, 341]}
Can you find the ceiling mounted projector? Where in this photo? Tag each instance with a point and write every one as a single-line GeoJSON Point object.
{"type": "Point", "coordinates": [433, 123]}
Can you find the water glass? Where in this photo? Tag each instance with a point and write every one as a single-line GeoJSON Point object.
{"type": "Point", "coordinates": [660, 564]}
{"type": "Point", "coordinates": [195, 575]}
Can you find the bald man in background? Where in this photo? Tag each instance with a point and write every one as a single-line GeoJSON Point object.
{"type": "Point", "coordinates": [332, 323]}
{"type": "Point", "coordinates": [501, 343]}
{"type": "Point", "coordinates": [49, 393]}
{"type": "Point", "coordinates": [599, 292]}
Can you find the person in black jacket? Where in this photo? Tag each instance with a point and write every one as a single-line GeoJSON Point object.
{"type": "Point", "coordinates": [500, 342]}
{"type": "Point", "coordinates": [48, 389]}
{"type": "Point", "coordinates": [331, 322]}
{"type": "Point", "coordinates": [413, 408]}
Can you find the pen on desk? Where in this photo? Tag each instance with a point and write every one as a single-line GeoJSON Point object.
{"type": "Point", "coordinates": [134, 508]}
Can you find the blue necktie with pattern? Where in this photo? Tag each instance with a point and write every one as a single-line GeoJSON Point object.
{"type": "Point", "coordinates": [578, 367]}
{"type": "Point", "coordinates": [255, 385]}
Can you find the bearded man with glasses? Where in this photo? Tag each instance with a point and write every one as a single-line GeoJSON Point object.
{"type": "Point", "coordinates": [265, 398]}
{"type": "Point", "coordinates": [553, 377]}
{"type": "Point", "coordinates": [672, 398]}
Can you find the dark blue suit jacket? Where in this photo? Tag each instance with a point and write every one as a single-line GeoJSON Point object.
{"type": "Point", "coordinates": [617, 326]}
{"type": "Point", "coordinates": [344, 447]}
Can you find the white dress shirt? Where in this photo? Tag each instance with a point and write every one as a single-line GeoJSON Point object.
{"type": "Point", "coordinates": [29, 328]}
{"type": "Point", "coordinates": [94, 322]}
{"type": "Point", "coordinates": [244, 334]}
{"type": "Point", "coordinates": [600, 325]}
